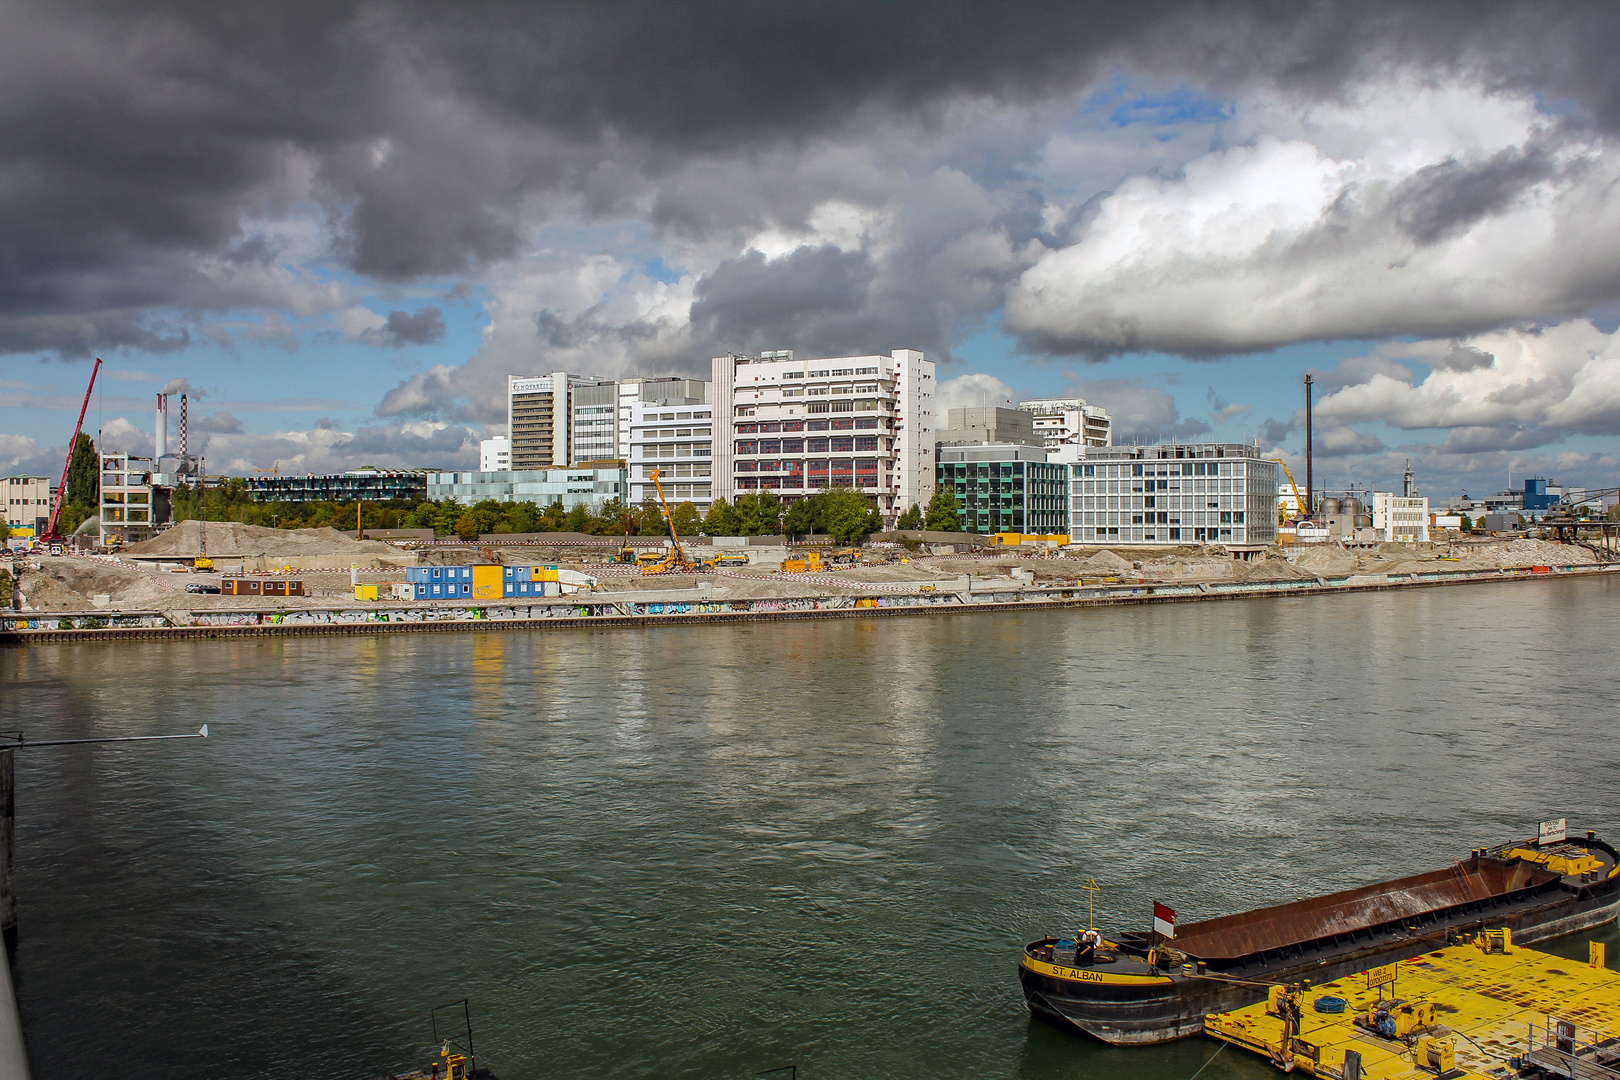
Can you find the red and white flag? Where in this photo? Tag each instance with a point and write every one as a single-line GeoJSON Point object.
{"type": "Point", "coordinates": [1164, 920]}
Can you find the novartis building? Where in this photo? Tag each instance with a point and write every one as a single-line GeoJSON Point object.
{"type": "Point", "coordinates": [1194, 493]}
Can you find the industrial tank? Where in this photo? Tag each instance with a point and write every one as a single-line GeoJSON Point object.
{"type": "Point", "coordinates": [1352, 507]}
{"type": "Point", "coordinates": [1329, 506]}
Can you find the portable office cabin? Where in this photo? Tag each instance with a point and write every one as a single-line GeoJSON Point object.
{"type": "Point", "coordinates": [486, 582]}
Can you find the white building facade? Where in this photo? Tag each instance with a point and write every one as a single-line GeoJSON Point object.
{"type": "Point", "coordinates": [678, 441]}
{"type": "Point", "coordinates": [495, 455]}
{"type": "Point", "coordinates": [543, 487]}
{"type": "Point", "coordinates": [539, 413]}
{"type": "Point", "coordinates": [795, 427]}
{"type": "Point", "coordinates": [1200, 493]}
{"type": "Point", "coordinates": [1400, 519]}
{"type": "Point", "coordinates": [1070, 422]}
{"type": "Point", "coordinates": [27, 502]}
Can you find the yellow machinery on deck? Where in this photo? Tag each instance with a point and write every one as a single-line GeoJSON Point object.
{"type": "Point", "coordinates": [673, 561]}
{"type": "Point", "coordinates": [1304, 508]}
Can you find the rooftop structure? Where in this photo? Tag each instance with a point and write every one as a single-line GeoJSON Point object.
{"type": "Point", "coordinates": [1070, 422]}
{"type": "Point", "coordinates": [989, 425]}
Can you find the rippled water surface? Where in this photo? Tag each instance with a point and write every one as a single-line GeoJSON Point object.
{"type": "Point", "coordinates": [710, 851]}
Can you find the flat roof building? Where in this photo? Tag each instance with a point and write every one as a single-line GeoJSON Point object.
{"type": "Point", "coordinates": [494, 455]}
{"type": "Point", "coordinates": [27, 502]}
{"type": "Point", "coordinates": [571, 487]}
{"type": "Point", "coordinates": [678, 441]}
{"type": "Point", "coordinates": [372, 485]}
{"type": "Point", "coordinates": [1195, 493]}
{"type": "Point", "coordinates": [1070, 422]}
{"type": "Point", "coordinates": [795, 427]}
{"type": "Point", "coordinates": [1005, 487]}
{"type": "Point", "coordinates": [988, 425]}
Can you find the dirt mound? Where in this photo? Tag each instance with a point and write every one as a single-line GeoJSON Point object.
{"type": "Point", "coordinates": [1104, 562]}
{"type": "Point", "coordinates": [227, 538]}
{"type": "Point", "coordinates": [1196, 568]}
{"type": "Point", "coordinates": [71, 583]}
{"type": "Point", "coordinates": [1270, 570]}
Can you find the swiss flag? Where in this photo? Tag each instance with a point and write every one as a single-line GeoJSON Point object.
{"type": "Point", "coordinates": [1164, 920]}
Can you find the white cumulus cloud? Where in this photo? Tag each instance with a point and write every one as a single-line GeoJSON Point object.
{"type": "Point", "coordinates": [1431, 213]}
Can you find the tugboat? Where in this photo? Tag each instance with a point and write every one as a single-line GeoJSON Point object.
{"type": "Point", "coordinates": [1154, 986]}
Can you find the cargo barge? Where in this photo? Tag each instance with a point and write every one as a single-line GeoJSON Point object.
{"type": "Point", "coordinates": [1147, 988]}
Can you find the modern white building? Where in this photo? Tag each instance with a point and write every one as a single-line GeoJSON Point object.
{"type": "Point", "coordinates": [797, 426]}
{"type": "Point", "coordinates": [678, 441]}
{"type": "Point", "coordinates": [1197, 493]}
{"type": "Point", "coordinates": [538, 415]}
{"type": "Point", "coordinates": [1402, 519]}
{"type": "Point", "coordinates": [495, 455]}
{"type": "Point", "coordinates": [1070, 422]}
{"type": "Point", "coordinates": [27, 502]}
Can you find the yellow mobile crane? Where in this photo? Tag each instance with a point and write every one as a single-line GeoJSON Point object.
{"type": "Point", "coordinates": [675, 562]}
{"type": "Point", "coordinates": [1304, 507]}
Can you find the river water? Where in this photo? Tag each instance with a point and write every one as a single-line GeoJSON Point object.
{"type": "Point", "coordinates": [712, 851]}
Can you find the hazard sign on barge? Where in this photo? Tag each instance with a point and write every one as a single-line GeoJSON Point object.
{"type": "Point", "coordinates": [1152, 987]}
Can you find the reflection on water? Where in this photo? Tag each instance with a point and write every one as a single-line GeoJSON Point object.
{"type": "Point", "coordinates": [707, 851]}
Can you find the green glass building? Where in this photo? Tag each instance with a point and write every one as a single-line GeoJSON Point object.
{"type": "Point", "coordinates": [1005, 487]}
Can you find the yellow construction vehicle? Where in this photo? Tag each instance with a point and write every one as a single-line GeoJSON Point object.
{"type": "Point", "coordinates": [1304, 508]}
{"type": "Point", "coordinates": [844, 556]}
{"type": "Point", "coordinates": [673, 561]}
{"type": "Point", "coordinates": [799, 564]}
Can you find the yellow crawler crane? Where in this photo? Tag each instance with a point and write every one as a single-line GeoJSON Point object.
{"type": "Point", "coordinates": [1304, 509]}
{"type": "Point", "coordinates": [675, 561]}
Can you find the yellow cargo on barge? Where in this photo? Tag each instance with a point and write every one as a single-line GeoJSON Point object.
{"type": "Point", "coordinates": [1486, 1008]}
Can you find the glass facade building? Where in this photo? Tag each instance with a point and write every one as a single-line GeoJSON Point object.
{"type": "Point", "coordinates": [1005, 487]}
{"type": "Point", "coordinates": [571, 487]}
{"type": "Point", "coordinates": [373, 485]}
{"type": "Point", "coordinates": [1201, 493]}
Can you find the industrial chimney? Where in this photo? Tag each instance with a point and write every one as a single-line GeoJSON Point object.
{"type": "Point", "coordinates": [162, 426]}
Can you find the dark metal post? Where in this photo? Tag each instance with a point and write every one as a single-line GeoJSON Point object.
{"type": "Point", "coordinates": [8, 841]}
{"type": "Point", "coordinates": [1310, 480]}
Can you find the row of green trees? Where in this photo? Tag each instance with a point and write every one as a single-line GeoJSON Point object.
{"type": "Point", "coordinates": [841, 513]}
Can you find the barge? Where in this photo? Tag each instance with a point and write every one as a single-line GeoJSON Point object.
{"type": "Point", "coordinates": [1147, 987]}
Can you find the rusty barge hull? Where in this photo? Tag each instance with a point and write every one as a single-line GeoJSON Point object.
{"type": "Point", "coordinates": [1128, 1001]}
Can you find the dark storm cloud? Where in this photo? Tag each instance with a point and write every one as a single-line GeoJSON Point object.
{"type": "Point", "coordinates": [423, 328]}
{"type": "Point", "coordinates": [136, 140]}
{"type": "Point", "coordinates": [1446, 199]}
{"type": "Point", "coordinates": [802, 300]}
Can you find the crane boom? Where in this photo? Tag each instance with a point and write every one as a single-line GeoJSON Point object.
{"type": "Point", "coordinates": [73, 443]}
{"type": "Point", "coordinates": [1304, 511]}
{"type": "Point", "coordinates": [676, 560]}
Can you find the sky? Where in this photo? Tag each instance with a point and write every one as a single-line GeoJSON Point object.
{"type": "Point", "coordinates": [340, 226]}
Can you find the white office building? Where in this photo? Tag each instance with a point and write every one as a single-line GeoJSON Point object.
{"type": "Point", "coordinates": [27, 502]}
{"type": "Point", "coordinates": [797, 426]}
{"type": "Point", "coordinates": [538, 419]}
{"type": "Point", "coordinates": [1070, 422]}
{"type": "Point", "coordinates": [495, 455]}
{"type": "Point", "coordinates": [678, 441]}
{"type": "Point", "coordinates": [1401, 519]}
{"type": "Point", "coordinates": [1200, 493]}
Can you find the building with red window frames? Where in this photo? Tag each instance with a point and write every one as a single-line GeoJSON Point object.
{"type": "Point", "coordinates": [795, 427]}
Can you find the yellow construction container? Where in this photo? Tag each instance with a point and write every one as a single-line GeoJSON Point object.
{"type": "Point", "coordinates": [542, 573]}
{"type": "Point", "coordinates": [487, 583]}
{"type": "Point", "coordinates": [365, 592]}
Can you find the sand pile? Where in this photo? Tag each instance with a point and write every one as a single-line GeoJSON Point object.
{"type": "Point", "coordinates": [227, 538]}
{"type": "Point", "coordinates": [1269, 570]}
{"type": "Point", "coordinates": [1104, 563]}
{"type": "Point", "coordinates": [1326, 560]}
{"type": "Point", "coordinates": [70, 584]}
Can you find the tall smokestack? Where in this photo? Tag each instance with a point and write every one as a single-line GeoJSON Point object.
{"type": "Point", "coordinates": [1310, 480]}
{"type": "Point", "coordinates": [162, 426]}
{"type": "Point", "coordinates": [182, 425]}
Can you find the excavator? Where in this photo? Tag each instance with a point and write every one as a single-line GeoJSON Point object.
{"type": "Point", "coordinates": [675, 560]}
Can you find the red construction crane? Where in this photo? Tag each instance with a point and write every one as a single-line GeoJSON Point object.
{"type": "Point", "coordinates": [73, 443]}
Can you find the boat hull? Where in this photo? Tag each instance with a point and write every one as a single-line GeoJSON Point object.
{"type": "Point", "coordinates": [1128, 1011]}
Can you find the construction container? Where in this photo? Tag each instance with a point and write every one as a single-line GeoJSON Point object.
{"type": "Point", "coordinates": [365, 592]}
{"type": "Point", "coordinates": [404, 590]}
{"type": "Point", "coordinates": [542, 573]}
{"type": "Point", "coordinates": [274, 588]}
{"type": "Point", "coordinates": [240, 587]}
{"type": "Point", "coordinates": [486, 582]}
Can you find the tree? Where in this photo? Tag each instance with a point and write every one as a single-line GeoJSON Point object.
{"type": "Point", "coordinates": [911, 519]}
{"type": "Point", "coordinates": [1467, 523]}
{"type": "Point", "coordinates": [721, 519]}
{"type": "Point", "coordinates": [445, 521]}
{"type": "Point", "coordinates": [84, 476]}
{"type": "Point", "coordinates": [467, 526]}
{"type": "Point", "coordinates": [944, 513]}
{"type": "Point", "coordinates": [801, 517]}
{"type": "Point", "coordinates": [651, 517]}
{"type": "Point", "coordinates": [758, 514]}
{"type": "Point", "coordinates": [578, 519]}
{"type": "Point", "coordinates": [687, 520]}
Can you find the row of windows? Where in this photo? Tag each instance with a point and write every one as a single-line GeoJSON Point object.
{"type": "Point", "coordinates": [1124, 534]}
{"type": "Point", "coordinates": [815, 465]}
{"type": "Point", "coordinates": [771, 427]}
{"type": "Point", "coordinates": [1167, 468]}
{"type": "Point", "coordinates": [698, 468]}
{"type": "Point", "coordinates": [835, 445]}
